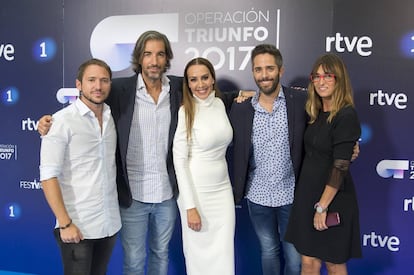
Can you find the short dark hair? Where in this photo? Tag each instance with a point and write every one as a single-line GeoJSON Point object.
{"type": "Point", "coordinates": [139, 49]}
{"type": "Point", "coordinates": [270, 49]}
{"type": "Point", "coordinates": [93, 61]}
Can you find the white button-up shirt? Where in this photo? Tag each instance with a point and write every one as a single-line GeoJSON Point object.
{"type": "Point", "coordinates": [82, 158]}
{"type": "Point", "coordinates": [148, 145]}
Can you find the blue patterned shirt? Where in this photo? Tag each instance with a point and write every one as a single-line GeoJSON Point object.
{"type": "Point", "coordinates": [271, 179]}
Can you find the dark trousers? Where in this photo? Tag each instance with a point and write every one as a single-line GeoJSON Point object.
{"type": "Point", "coordinates": [88, 257]}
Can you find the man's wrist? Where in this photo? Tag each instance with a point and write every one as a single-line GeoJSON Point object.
{"type": "Point", "coordinates": [66, 226]}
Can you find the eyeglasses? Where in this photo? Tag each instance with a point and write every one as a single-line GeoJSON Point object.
{"type": "Point", "coordinates": [326, 77]}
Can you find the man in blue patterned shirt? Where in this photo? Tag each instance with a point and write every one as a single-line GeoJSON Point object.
{"type": "Point", "coordinates": [267, 154]}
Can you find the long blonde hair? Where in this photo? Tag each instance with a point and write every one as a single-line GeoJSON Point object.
{"type": "Point", "coordinates": [188, 99]}
{"type": "Point", "coordinates": [342, 95]}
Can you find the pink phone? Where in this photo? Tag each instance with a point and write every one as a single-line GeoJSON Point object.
{"type": "Point", "coordinates": [332, 219]}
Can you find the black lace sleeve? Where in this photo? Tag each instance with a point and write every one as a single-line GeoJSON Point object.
{"type": "Point", "coordinates": [346, 131]}
{"type": "Point", "coordinates": [339, 171]}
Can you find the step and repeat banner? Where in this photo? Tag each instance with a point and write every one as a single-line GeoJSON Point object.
{"type": "Point", "coordinates": [43, 42]}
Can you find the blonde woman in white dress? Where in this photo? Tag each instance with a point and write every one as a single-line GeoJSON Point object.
{"type": "Point", "coordinates": [205, 198]}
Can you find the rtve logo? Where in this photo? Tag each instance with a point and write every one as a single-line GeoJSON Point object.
{"type": "Point", "coordinates": [362, 45]}
{"type": "Point", "coordinates": [375, 240]}
{"type": "Point", "coordinates": [392, 168]}
{"type": "Point", "coordinates": [408, 204]}
{"type": "Point", "coordinates": [7, 52]}
{"type": "Point", "coordinates": [380, 98]}
{"type": "Point", "coordinates": [29, 124]}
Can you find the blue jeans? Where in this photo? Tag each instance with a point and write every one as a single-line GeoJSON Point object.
{"type": "Point", "coordinates": [142, 223]}
{"type": "Point", "coordinates": [89, 256]}
{"type": "Point", "coordinates": [270, 224]}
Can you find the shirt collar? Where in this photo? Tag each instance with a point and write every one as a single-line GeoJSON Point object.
{"type": "Point", "coordinates": [255, 98]}
{"type": "Point", "coordinates": [141, 84]}
{"type": "Point", "coordinates": [84, 110]}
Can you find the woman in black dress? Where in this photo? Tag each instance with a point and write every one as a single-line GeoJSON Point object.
{"type": "Point", "coordinates": [325, 184]}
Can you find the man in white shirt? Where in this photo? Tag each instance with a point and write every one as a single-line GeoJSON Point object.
{"type": "Point", "coordinates": [78, 174]}
{"type": "Point", "coordinates": [145, 110]}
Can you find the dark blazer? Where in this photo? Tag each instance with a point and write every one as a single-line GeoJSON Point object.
{"type": "Point", "coordinates": [122, 100]}
{"type": "Point", "coordinates": [241, 118]}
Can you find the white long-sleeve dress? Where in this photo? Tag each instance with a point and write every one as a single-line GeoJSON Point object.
{"type": "Point", "coordinates": [204, 183]}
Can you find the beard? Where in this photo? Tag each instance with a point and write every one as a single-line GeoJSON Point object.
{"type": "Point", "coordinates": [153, 75]}
{"type": "Point", "coordinates": [272, 88]}
{"type": "Point", "coordinates": [91, 100]}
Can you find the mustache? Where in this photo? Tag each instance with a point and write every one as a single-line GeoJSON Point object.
{"type": "Point", "coordinates": [154, 66]}
{"type": "Point", "coordinates": [265, 79]}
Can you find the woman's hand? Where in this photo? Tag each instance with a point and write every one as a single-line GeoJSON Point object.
{"type": "Point", "coordinates": [193, 219]}
{"type": "Point", "coordinates": [319, 221]}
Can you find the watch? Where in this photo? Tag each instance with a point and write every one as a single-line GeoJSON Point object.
{"type": "Point", "coordinates": [319, 209]}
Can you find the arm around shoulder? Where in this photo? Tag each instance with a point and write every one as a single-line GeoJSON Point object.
{"type": "Point", "coordinates": [44, 124]}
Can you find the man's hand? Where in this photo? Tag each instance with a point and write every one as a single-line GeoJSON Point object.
{"type": "Point", "coordinates": [71, 234]}
{"type": "Point", "coordinates": [44, 124]}
{"type": "Point", "coordinates": [355, 153]}
{"type": "Point", "coordinates": [243, 95]}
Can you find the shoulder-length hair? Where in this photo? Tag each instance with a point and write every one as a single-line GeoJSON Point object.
{"type": "Point", "coordinates": [342, 95]}
{"type": "Point", "coordinates": [188, 98]}
{"type": "Point", "coordinates": [139, 49]}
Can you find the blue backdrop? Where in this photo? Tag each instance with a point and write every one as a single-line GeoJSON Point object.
{"type": "Point", "coordinates": [43, 42]}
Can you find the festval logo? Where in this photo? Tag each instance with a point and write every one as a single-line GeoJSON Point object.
{"type": "Point", "coordinates": [67, 95]}
{"type": "Point", "coordinates": [115, 47]}
{"type": "Point", "coordinates": [392, 168]}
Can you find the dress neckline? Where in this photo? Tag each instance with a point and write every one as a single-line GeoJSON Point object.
{"type": "Point", "coordinates": [207, 101]}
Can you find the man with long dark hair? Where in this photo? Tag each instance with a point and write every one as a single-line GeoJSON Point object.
{"type": "Point", "coordinates": [145, 108]}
